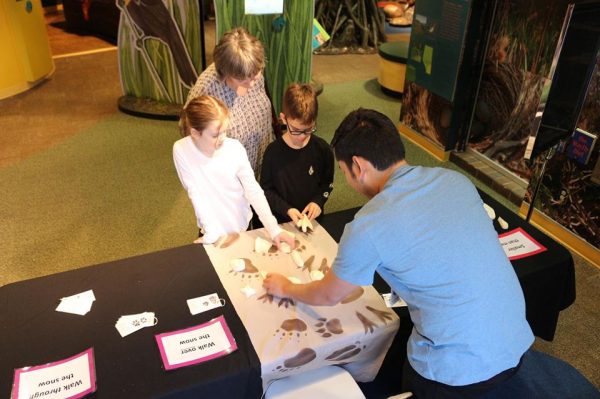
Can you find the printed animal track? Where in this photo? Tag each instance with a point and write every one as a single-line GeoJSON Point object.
{"type": "Point", "coordinates": [290, 328]}
{"type": "Point", "coordinates": [345, 353]}
{"type": "Point", "coordinates": [324, 268]}
{"type": "Point", "coordinates": [249, 271]}
{"type": "Point", "coordinates": [308, 263]}
{"type": "Point", "coordinates": [354, 295]}
{"type": "Point", "coordinates": [366, 322]}
{"type": "Point", "coordinates": [327, 327]}
{"type": "Point", "coordinates": [228, 240]}
{"type": "Point", "coordinates": [266, 298]}
{"type": "Point", "coordinates": [382, 315]}
{"type": "Point", "coordinates": [273, 251]}
{"type": "Point", "coordinates": [303, 357]}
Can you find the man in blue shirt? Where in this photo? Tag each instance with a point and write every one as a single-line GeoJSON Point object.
{"type": "Point", "coordinates": [425, 231]}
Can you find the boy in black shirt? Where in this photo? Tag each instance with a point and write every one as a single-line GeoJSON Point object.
{"type": "Point", "coordinates": [297, 169]}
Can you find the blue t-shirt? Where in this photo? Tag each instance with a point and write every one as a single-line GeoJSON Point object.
{"type": "Point", "coordinates": [429, 237]}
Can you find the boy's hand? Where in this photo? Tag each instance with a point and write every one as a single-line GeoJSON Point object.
{"type": "Point", "coordinates": [294, 214]}
{"type": "Point", "coordinates": [312, 210]}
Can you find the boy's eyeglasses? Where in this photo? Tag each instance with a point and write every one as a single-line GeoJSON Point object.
{"type": "Point", "coordinates": [297, 132]}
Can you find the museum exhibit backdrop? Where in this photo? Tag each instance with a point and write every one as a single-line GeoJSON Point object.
{"type": "Point", "coordinates": [570, 188]}
{"type": "Point", "coordinates": [522, 44]}
{"type": "Point", "coordinates": [287, 39]}
{"type": "Point", "coordinates": [159, 48]}
{"type": "Point", "coordinates": [519, 47]}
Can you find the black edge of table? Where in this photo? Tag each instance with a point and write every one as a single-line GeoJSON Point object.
{"type": "Point", "coordinates": [34, 333]}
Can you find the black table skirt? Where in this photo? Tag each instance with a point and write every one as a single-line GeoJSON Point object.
{"type": "Point", "coordinates": [33, 333]}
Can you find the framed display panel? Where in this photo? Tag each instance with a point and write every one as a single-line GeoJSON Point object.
{"type": "Point", "coordinates": [438, 95]}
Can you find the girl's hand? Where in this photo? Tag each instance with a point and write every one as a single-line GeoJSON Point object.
{"type": "Point", "coordinates": [284, 237]}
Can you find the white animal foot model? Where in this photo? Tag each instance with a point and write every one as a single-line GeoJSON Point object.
{"type": "Point", "coordinates": [304, 224]}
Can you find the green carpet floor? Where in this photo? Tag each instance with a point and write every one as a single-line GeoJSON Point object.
{"type": "Point", "coordinates": [112, 192]}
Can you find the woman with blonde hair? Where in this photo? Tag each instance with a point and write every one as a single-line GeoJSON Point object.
{"type": "Point", "coordinates": [236, 78]}
{"type": "Point", "coordinates": [217, 176]}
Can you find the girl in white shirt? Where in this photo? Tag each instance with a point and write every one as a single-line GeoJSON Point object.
{"type": "Point", "coordinates": [217, 176]}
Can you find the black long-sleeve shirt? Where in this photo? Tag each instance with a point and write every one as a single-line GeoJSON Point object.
{"type": "Point", "coordinates": [292, 178]}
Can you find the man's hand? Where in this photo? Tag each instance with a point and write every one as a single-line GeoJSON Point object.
{"type": "Point", "coordinates": [294, 214]}
{"type": "Point", "coordinates": [312, 210]}
{"type": "Point", "coordinates": [327, 292]}
{"type": "Point", "coordinates": [275, 284]}
{"type": "Point", "coordinates": [284, 237]}
{"type": "Point", "coordinates": [199, 240]}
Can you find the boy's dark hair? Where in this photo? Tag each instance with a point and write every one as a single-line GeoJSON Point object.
{"type": "Point", "coordinates": [300, 103]}
{"type": "Point", "coordinates": [370, 135]}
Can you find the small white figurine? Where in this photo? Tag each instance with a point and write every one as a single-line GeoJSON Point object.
{"type": "Point", "coordinates": [304, 224]}
{"type": "Point", "coordinates": [490, 211]}
{"type": "Point", "coordinates": [237, 265]}
{"type": "Point", "coordinates": [297, 258]}
{"type": "Point", "coordinates": [261, 245]}
{"type": "Point", "coordinates": [248, 291]}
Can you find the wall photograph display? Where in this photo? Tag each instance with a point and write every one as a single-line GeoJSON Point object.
{"type": "Point", "coordinates": [518, 64]}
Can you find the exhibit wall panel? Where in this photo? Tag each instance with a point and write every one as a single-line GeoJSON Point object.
{"type": "Point", "coordinates": [446, 52]}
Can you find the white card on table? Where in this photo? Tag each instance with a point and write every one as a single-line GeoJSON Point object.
{"type": "Point", "coordinates": [79, 304]}
{"type": "Point", "coordinates": [204, 303]}
{"type": "Point", "coordinates": [392, 300]}
{"type": "Point", "coordinates": [131, 323]}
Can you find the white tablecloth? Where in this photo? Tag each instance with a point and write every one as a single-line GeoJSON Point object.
{"type": "Point", "coordinates": [289, 337]}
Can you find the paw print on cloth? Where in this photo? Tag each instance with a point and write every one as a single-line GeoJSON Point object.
{"type": "Point", "coordinates": [382, 315]}
{"type": "Point", "coordinates": [345, 353]}
{"type": "Point", "coordinates": [354, 295]}
{"type": "Point", "coordinates": [267, 298]}
{"type": "Point", "coordinates": [368, 324]}
{"type": "Point", "coordinates": [250, 271]}
{"type": "Point", "coordinates": [290, 328]}
{"type": "Point", "coordinates": [227, 240]}
{"type": "Point", "coordinates": [328, 327]}
{"type": "Point", "coordinates": [303, 357]}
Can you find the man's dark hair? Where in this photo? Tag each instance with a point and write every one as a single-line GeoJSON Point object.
{"type": "Point", "coordinates": [370, 135]}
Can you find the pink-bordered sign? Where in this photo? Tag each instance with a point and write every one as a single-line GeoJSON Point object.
{"type": "Point", "coordinates": [71, 378]}
{"type": "Point", "coordinates": [195, 344]}
{"type": "Point", "coordinates": [524, 245]}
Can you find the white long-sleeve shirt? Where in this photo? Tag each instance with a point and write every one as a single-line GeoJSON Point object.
{"type": "Point", "coordinates": [222, 188]}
